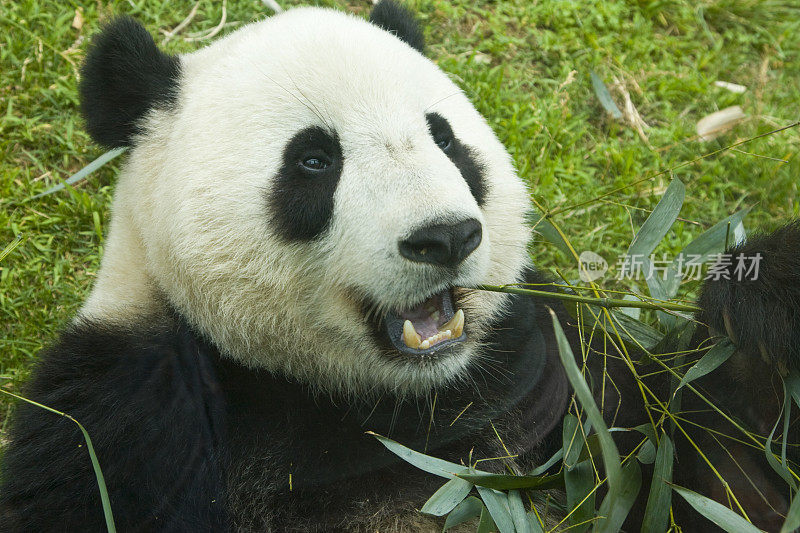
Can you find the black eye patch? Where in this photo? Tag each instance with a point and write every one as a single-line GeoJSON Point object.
{"type": "Point", "coordinates": [301, 199]}
{"type": "Point", "coordinates": [463, 157]}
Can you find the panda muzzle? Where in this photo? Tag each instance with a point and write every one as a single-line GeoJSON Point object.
{"type": "Point", "coordinates": [427, 327]}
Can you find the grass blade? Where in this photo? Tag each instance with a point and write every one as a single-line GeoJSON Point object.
{"type": "Point", "coordinates": [98, 472]}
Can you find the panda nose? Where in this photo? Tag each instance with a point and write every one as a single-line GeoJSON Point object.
{"type": "Point", "coordinates": [442, 244]}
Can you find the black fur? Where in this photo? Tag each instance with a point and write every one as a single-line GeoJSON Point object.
{"type": "Point", "coordinates": [166, 413]}
{"type": "Point", "coordinates": [124, 76]}
{"type": "Point", "coordinates": [301, 200]}
{"type": "Point", "coordinates": [396, 19]}
{"type": "Point", "coordinates": [464, 157]}
{"type": "Point", "coordinates": [149, 399]}
{"type": "Point", "coordinates": [761, 315]}
{"type": "Point", "coordinates": [190, 441]}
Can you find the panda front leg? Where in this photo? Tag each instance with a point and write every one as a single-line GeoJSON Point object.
{"type": "Point", "coordinates": [759, 309]}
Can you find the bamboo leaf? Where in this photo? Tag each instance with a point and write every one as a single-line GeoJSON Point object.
{"type": "Point", "coordinates": [497, 505]}
{"type": "Point", "coordinates": [718, 354]}
{"type": "Point", "coordinates": [518, 515]}
{"type": "Point", "coordinates": [545, 228]}
{"type": "Point", "coordinates": [712, 241]}
{"type": "Point", "coordinates": [466, 510]}
{"type": "Point", "coordinates": [615, 511]}
{"type": "Point", "coordinates": [601, 91]}
{"type": "Point", "coordinates": [511, 482]}
{"type": "Point", "coordinates": [447, 497]}
{"type": "Point", "coordinates": [656, 513]}
{"type": "Point", "coordinates": [85, 171]}
{"type": "Point", "coordinates": [659, 222]}
{"type": "Point", "coordinates": [792, 521]}
{"type": "Point", "coordinates": [584, 395]}
{"type": "Point", "coordinates": [579, 483]}
{"type": "Point", "coordinates": [486, 524]}
{"type": "Point", "coordinates": [716, 512]}
{"type": "Point", "coordinates": [429, 464]}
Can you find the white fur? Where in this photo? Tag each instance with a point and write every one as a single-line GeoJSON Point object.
{"type": "Point", "coordinates": [190, 215]}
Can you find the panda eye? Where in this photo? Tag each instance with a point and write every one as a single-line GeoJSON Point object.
{"type": "Point", "coordinates": [315, 163]}
{"type": "Point", "coordinates": [444, 142]}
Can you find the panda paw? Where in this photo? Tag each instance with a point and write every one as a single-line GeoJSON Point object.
{"type": "Point", "coordinates": [753, 296]}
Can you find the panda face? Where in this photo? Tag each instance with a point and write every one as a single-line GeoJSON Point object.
{"type": "Point", "coordinates": [319, 201]}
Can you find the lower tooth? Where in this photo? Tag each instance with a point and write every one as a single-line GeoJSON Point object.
{"type": "Point", "coordinates": [424, 345]}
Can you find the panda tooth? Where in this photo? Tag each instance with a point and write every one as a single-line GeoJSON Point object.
{"type": "Point", "coordinates": [424, 345]}
{"type": "Point", "coordinates": [455, 324]}
{"type": "Point", "coordinates": [410, 335]}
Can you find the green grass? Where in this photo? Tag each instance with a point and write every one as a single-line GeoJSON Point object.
{"type": "Point", "coordinates": [514, 58]}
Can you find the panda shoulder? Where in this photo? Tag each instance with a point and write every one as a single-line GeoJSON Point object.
{"type": "Point", "coordinates": [146, 395]}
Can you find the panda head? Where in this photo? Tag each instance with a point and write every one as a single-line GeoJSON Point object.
{"type": "Point", "coordinates": [311, 193]}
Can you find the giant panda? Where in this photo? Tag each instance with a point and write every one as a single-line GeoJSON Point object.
{"type": "Point", "coordinates": [306, 209]}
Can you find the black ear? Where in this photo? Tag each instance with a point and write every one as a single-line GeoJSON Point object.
{"type": "Point", "coordinates": [398, 20]}
{"type": "Point", "coordinates": [123, 77]}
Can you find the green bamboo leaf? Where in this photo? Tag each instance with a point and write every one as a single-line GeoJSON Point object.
{"type": "Point", "coordinates": [579, 484]}
{"type": "Point", "coordinates": [447, 497]}
{"type": "Point", "coordinates": [716, 512]}
{"type": "Point", "coordinates": [518, 515]}
{"type": "Point", "coordinates": [792, 383]}
{"type": "Point", "coordinates": [511, 482]}
{"type": "Point", "coordinates": [486, 524]}
{"type": "Point", "coordinates": [572, 439]}
{"type": "Point", "coordinates": [85, 171]}
{"type": "Point", "coordinates": [556, 457]}
{"type": "Point", "coordinates": [429, 464]}
{"type": "Point", "coordinates": [467, 510]}
{"type": "Point", "coordinates": [545, 228]}
{"type": "Point", "coordinates": [647, 453]}
{"type": "Point", "coordinates": [632, 331]}
{"type": "Point", "coordinates": [712, 241]}
{"type": "Point", "coordinates": [659, 222]}
{"type": "Point", "coordinates": [614, 512]}
{"type": "Point", "coordinates": [792, 517]}
{"type": "Point", "coordinates": [718, 354]}
{"type": "Point", "coordinates": [584, 395]}
{"type": "Point", "coordinates": [781, 468]}
{"type": "Point", "coordinates": [497, 505]}
{"type": "Point", "coordinates": [656, 513]}
{"type": "Point", "coordinates": [601, 91]}
{"type": "Point", "coordinates": [658, 290]}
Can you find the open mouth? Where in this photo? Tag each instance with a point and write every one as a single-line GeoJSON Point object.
{"type": "Point", "coordinates": [428, 327]}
